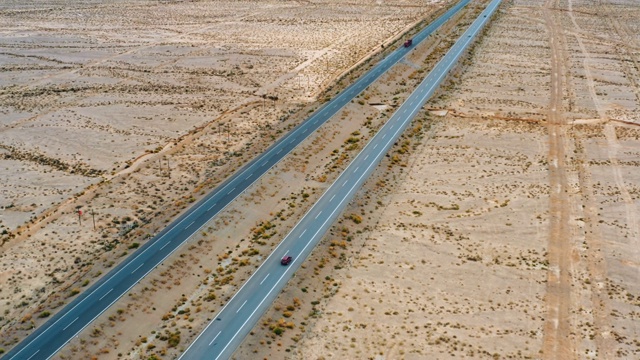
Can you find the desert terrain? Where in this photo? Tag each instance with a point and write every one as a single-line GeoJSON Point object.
{"type": "Point", "coordinates": [118, 115]}
{"type": "Point", "coordinates": [508, 229]}
{"type": "Point", "coordinates": [502, 225]}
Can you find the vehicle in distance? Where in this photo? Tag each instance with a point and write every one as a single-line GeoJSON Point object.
{"type": "Point", "coordinates": [408, 43]}
{"type": "Point", "coordinates": [286, 260]}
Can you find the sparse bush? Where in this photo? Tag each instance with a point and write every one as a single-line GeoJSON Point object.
{"type": "Point", "coordinates": [44, 314]}
{"type": "Point", "coordinates": [355, 218]}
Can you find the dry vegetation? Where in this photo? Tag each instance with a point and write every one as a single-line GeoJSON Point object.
{"type": "Point", "coordinates": [129, 112]}
{"type": "Point", "coordinates": [502, 225]}
{"type": "Point", "coordinates": [507, 227]}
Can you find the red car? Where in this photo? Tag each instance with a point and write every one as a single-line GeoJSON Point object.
{"type": "Point", "coordinates": [286, 260]}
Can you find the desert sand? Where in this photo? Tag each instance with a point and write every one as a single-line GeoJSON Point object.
{"type": "Point", "coordinates": [509, 228]}
{"type": "Point", "coordinates": [115, 116]}
{"type": "Point", "coordinates": [502, 225]}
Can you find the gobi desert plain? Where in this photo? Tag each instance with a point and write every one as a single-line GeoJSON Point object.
{"type": "Point", "coordinates": [503, 224]}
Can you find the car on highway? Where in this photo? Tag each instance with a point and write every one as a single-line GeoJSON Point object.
{"type": "Point", "coordinates": [286, 260]}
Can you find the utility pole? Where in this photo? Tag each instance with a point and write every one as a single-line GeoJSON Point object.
{"type": "Point", "coordinates": [93, 215]}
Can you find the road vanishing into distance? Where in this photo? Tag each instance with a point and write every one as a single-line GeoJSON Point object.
{"type": "Point", "coordinates": [231, 325]}
{"type": "Point", "coordinates": [49, 338]}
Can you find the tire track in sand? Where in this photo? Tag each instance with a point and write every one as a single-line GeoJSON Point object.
{"type": "Point", "coordinates": [558, 338]}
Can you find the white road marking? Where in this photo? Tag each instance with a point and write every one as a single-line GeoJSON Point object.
{"type": "Point", "coordinates": [65, 328]}
{"type": "Point", "coordinates": [102, 297]}
{"type": "Point", "coordinates": [237, 311]}
{"type": "Point", "coordinates": [279, 151]}
{"type": "Point", "coordinates": [303, 231]}
{"type": "Point", "coordinates": [344, 183]}
{"type": "Point", "coordinates": [214, 339]}
{"type": "Point", "coordinates": [230, 191]}
{"type": "Point", "coordinates": [34, 354]}
{"type": "Point", "coordinates": [211, 207]}
{"type": "Point", "coordinates": [191, 223]}
{"type": "Point", "coordinates": [330, 200]}
{"type": "Point", "coordinates": [137, 268]}
{"type": "Point", "coordinates": [320, 213]}
{"type": "Point", "coordinates": [165, 245]}
{"type": "Point", "coordinates": [366, 157]}
{"type": "Point", "coordinates": [265, 278]}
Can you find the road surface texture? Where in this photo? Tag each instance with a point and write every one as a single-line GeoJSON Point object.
{"type": "Point", "coordinates": [48, 339]}
{"type": "Point", "coordinates": [231, 325]}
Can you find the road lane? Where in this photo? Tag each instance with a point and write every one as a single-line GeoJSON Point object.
{"type": "Point", "coordinates": [233, 323]}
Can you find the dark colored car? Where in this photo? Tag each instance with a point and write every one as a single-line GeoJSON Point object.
{"type": "Point", "coordinates": [286, 260]}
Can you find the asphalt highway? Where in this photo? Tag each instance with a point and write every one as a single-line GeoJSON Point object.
{"type": "Point", "coordinates": [49, 338]}
{"type": "Point", "coordinates": [224, 334]}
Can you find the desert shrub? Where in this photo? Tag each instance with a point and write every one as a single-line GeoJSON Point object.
{"type": "Point", "coordinates": [44, 314]}
{"type": "Point", "coordinates": [355, 218]}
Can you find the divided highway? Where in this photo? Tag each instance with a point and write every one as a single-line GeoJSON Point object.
{"type": "Point", "coordinates": [49, 338]}
{"type": "Point", "coordinates": [231, 325]}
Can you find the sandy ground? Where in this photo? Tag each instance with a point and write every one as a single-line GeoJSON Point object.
{"type": "Point", "coordinates": [129, 112]}
{"type": "Point", "coordinates": [88, 87]}
{"type": "Point", "coordinates": [502, 225]}
{"type": "Point", "coordinates": [508, 226]}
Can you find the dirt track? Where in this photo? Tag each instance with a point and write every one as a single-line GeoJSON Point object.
{"type": "Point", "coordinates": [559, 342]}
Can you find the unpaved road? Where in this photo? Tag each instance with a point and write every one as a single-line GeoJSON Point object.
{"type": "Point", "coordinates": [558, 339]}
